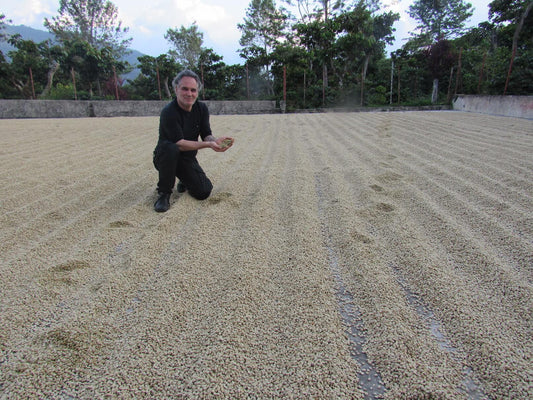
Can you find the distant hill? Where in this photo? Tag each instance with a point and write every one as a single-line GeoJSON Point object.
{"type": "Point", "coordinates": [39, 36]}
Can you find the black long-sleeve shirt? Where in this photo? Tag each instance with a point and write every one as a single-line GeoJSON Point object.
{"type": "Point", "coordinates": [175, 124]}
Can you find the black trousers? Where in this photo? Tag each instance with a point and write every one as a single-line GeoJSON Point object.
{"type": "Point", "coordinates": [171, 163]}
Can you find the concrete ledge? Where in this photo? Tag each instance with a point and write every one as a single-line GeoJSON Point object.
{"type": "Point", "coordinates": [509, 106]}
{"type": "Point", "coordinates": [242, 107]}
{"type": "Point", "coordinates": [123, 108]}
{"type": "Point", "coordinates": [436, 107]}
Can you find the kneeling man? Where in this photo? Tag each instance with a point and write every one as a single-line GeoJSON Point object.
{"type": "Point", "coordinates": [182, 122]}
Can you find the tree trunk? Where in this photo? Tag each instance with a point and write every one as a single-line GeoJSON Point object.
{"type": "Point", "coordinates": [363, 77]}
{"type": "Point", "coordinates": [449, 96]}
{"type": "Point", "coordinates": [51, 72]}
{"type": "Point", "coordinates": [32, 85]}
{"type": "Point", "coordinates": [73, 74]}
{"type": "Point", "coordinates": [481, 74]}
{"type": "Point", "coordinates": [247, 82]}
{"type": "Point", "coordinates": [399, 81]}
{"type": "Point", "coordinates": [435, 92]}
{"type": "Point", "coordinates": [391, 81]}
{"type": "Point", "coordinates": [19, 86]}
{"type": "Point", "coordinates": [98, 87]}
{"type": "Point", "coordinates": [324, 84]}
{"type": "Point", "coordinates": [517, 31]}
{"type": "Point", "coordinates": [459, 78]}
{"type": "Point", "coordinates": [165, 85]}
{"type": "Point", "coordinates": [158, 83]}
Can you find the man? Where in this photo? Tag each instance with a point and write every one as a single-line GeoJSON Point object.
{"type": "Point", "coordinates": [182, 121]}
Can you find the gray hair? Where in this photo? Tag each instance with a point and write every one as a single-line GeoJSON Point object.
{"type": "Point", "coordinates": [190, 74]}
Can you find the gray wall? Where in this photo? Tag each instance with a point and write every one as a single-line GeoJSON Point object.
{"type": "Point", "coordinates": [509, 106]}
{"type": "Point", "coordinates": [123, 108]}
{"type": "Point", "coordinates": [512, 106]}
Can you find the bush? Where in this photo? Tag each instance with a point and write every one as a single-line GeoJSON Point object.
{"type": "Point", "coordinates": [378, 96]}
{"type": "Point", "coordinates": [61, 92]}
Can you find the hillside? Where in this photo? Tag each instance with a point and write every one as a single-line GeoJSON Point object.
{"type": "Point", "coordinates": [38, 36]}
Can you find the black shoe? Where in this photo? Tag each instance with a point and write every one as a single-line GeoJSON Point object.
{"type": "Point", "coordinates": [181, 187]}
{"type": "Point", "coordinates": [163, 202]}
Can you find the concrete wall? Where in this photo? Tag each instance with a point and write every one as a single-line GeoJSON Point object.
{"type": "Point", "coordinates": [110, 108]}
{"type": "Point", "coordinates": [509, 106]}
{"type": "Point", "coordinates": [512, 106]}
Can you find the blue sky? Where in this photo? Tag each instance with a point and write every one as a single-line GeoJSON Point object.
{"type": "Point", "coordinates": [217, 19]}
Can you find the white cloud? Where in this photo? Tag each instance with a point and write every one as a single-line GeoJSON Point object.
{"type": "Point", "coordinates": [216, 19]}
{"type": "Point", "coordinates": [144, 30]}
{"type": "Point", "coordinates": [29, 12]}
{"type": "Point", "coordinates": [40, 6]}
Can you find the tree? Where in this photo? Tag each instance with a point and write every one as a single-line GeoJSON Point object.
{"type": "Point", "coordinates": [3, 21]}
{"type": "Point", "coordinates": [5, 67]}
{"type": "Point", "coordinates": [263, 28]}
{"type": "Point", "coordinates": [52, 54]}
{"type": "Point", "coordinates": [517, 12]}
{"type": "Point", "coordinates": [362, 36]}
{"type": "Point", "coordinates": [89, 66]}
{"type": "Point", "coordinates": [321, 14]}
{"type": "Point", "coordinates": [6, 89]}
{"type": "Point", "coordinates": [157, 73]}
{"type": "Point", "coordinates": [477, 45]}
{"type": "Point", "coordinates": [93, 21]}
{"type": "Point", "coordinates": [341, 50]}
{"type": "Point", "coordinates": [212, 73]}
{"type": "Point", "coordinates": [510, 11]}
{"type": "Point", "coordinates": [439, 20]}
{"type": "Point", "coordinates": [28, 67]}
{"type": "Point", "coordinates": [187, 44]}
{"type": "Point", "coordinates": [311, 10]}
{"type": "Point", "coordinates": [292, 61]}
{"type": "Point", "coordinates": [232, 84]}
{"type": "Point", "coordinates": [440, 58]}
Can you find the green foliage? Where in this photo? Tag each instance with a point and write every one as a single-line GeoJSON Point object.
{"type": "Point", "coordinates": [440, 19]}
{"type": "Point", "coordinates": [333, 55]}
{"type": "Point", "coordinates": [263, 29]}
{"type": "Point", "coordinates": [28, 66]}
{"type": "Point", "coordinates": [311, 10]}
{"type": "Point", "coordinates": [341, 51]}
{"type": "Point", "coordinates": [143, 88]}
{"type": "Point", "coordinates": [6, 88]}
{"type": "Point", "coordinates": [3, 22]}
{"type": "Point", "coordinates": [295, 60]}
{"type": "Point", "coordinates": [227, 82]}
{"type": "Point", "coordinates": [61, 92]}
{"type": "Point", "coordinates": [510, 11]}
{"type": "Point", "coordinates": [93, 21]}
{"type": "Point", "coordinates": [89, 65]}
{"type": "Point", "coordinates": [497, 66]}
{"type": "Point", "coordinates": [220, 81]}
{"type": "Point", "coordinates": [157, 73]}
{"type": "Point", "coordinates": [377, 96]}
{"type": "Point", "coordinates": [187, 44]}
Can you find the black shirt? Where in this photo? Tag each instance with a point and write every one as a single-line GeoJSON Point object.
{"type": "Point", "coordinates": [175, 123]}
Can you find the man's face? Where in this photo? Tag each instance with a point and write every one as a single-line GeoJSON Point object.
{"type": "Point", "coordinates": [187, 92]}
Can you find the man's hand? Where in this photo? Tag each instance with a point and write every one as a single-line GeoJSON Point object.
{"type": "Point", "coordinates": [220, 144]}
{"type": "Point", "coordinates": [225, 142]}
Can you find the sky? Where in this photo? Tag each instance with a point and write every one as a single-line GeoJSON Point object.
{"type": "Point", "coordinates": [148, 21]}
